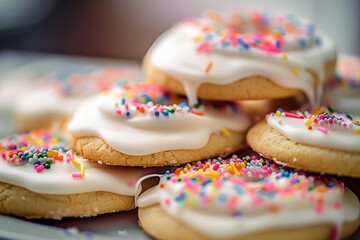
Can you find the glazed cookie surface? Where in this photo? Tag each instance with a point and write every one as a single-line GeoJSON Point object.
{"type": "Point", "coordinates": [325, 141]}
{"type": "Point", "coordinates": [247, 198]}
{"type": "Point", "coordinates": [144, 125]}
{"type": "Point", "coordinates": [41, 178]}
{"type": "Point", "coordinates": [343, 90]}
{"type": "Point", "coordinates": [242, 57]}
{"type": "Point", "coordinates": [57, 94]}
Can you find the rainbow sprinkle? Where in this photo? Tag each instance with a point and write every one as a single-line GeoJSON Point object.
{"type": "Point", "coordinates": [149, 99]}
{"type": "Point", "coordinates": [228, 181]}
{"type": "Point", "coordinates": [40, 149]}
{"type": "Point", "coordinates": [270, 35]}
{"type": "Point", "coordinates": [325, 119]}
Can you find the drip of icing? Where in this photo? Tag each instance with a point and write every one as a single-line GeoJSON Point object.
{"type": "Point", "coordinates": [334, 135]}
{"type": "Point", "coordinates": [179, 53]}
{"type": "Point", "coordinates": [208, 197]}
{"type": "Point", "coordinates": [125, 123]}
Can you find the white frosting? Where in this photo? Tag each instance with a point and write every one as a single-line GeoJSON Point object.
{"type": "Point", "coordinates": [215, 219]}
{"type": "Point", "coordinates": [296, 130]}
{"type": "Point", "coordinates": [61, 92]}
{"type": "Point", "coordinates": [143, 133]}
{"type": "Point", "coordinates": [175, 53]}
{"type": "Point", "coordinates": [58, 179]}
{"type": "Point", "coordinates": [343, 91]}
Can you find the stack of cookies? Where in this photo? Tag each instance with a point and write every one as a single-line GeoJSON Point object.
{"type": "Point", "coordinates": [187, 114]}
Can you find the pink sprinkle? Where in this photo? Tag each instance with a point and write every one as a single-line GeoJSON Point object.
{"type": "Point", "coordinates": [321, 116]}
{"type": "Point", "coordinates": [76, 175]}
{"type": "Point", "coordinates": [323, 130]}
{"type": "Point", "coordinates": [292, 115]}
{"type": "Point", "coordinates": [256, 201]}
{"type": "Point", "coordinates": [36, 166]}
{"type": "Point", "coordinates": [342, 185]}
{"type": "Point", "coordinates": [319, 209]}
{"type": "Point", "coordinates": [344, 124]}
{"type": "Point", "coordinates": [203, 47]}
{"type": "Point", "coordinates": [216, 166]}
{"type": "Point", "coordinates": [118, 112]}
{"type": "Point", "coordinates": [39, 169]}
{"type": "Point", "coordinates": [3, 155]}
{"type": "Point", "coordinates": [130, 184]}
{"type": "Point", "coordinates": [337, 204]}
{"type": "Point", "coordinates": [68, 159]}
{"type": "Point", "coordinates": [316, 120]}
{"type": "Point", "coordinates": [331, 121]}
{"type": "Point", "coordinates": [12, 160]}
{"type": "Point", "coordinates": [19, 161]}
{"type": "Point", "coordinates": [269, 49]}
{"type": "Point", "coordinates": [167, 201]}
{"type": "Point", "coordinates": [37, 151]}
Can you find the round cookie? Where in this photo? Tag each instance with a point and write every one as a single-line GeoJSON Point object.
{"type": "Point", "coordinates": [144, 125]}
{"type": "Point", "coordinates": [242, 57]}
{"type": "Point", "coordinates": [41, 178]}
{"type": "Point", "coordinates": [325, 141]}
{"type": "Point", "coordinates": [247, 198]}
{"type": "Point", "coordinates": [343, 90]}
{"type": "Point", "coordinates": [57, 94]}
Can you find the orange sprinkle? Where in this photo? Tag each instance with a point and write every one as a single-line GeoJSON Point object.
{"type": "Point", "coordinates": [208, 67]}
{"type": "Point", "coordinates": [177, 171]}
{"type": "Point", "coordinates": [320, 201]}
{"type": "Point", "coordinates": [273, 208]}
{"type": "Point", "coordinates": [309, 127]}
{"type": "Point", "coordinates": [161, 185]}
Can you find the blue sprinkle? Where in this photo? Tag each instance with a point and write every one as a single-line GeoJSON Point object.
{"type": "Point", "coordinates": [302, 42]}
{"type": "Point", "coordinates": [165, 113]}
{"type": "Point", "coordinates": [318, 41]}
{"type": "Point", "coordinates": [181, 197]}
{"type": "Point", "coordinates": [278, 44]}
{"type": "Point", "coordinates": [222, 197]}
{"type": "Point", "coordinates": [167, 172]}
{"type": "Point", "coordinates": [209, 37]}
{"type": "Point", "coordinates": [123, 100]}
{"type": "Point", "coordinates": [156, 113]}
{"type": "Point", "coordinates": [243, 44]}
{"type": "Point", "coordinates": [238, 189]}
{"type": "Point", "coordinates": [127, 114]}
{"type": "Point", "coordinates": [330, 184]}
{"type": "Point", "coordinates": [225, 44]}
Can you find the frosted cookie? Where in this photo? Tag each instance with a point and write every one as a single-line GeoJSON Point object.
{"type": "Point", "coordinates": [54, 97]}
{"type": "Point", "coordinates": [343, 90]}
{"type": "Point", "coordinates": [41, 178]}
{"type": "Point", "coordinates": [144, 125]}
{"type": "Point", "coordinates": [247, 198]}
{"type": "Point", "coordinates": [242, 57]}
{"type": "Point", "coordinates": [324, 141]}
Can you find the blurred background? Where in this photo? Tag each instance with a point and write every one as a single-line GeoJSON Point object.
{"type": "Point", "coordinates": [125, 29]}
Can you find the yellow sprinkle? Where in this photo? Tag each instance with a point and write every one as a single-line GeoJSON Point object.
{"type": "Point", "coordinates": [278, 113]}
{"type": "Point", "coordinates": [186, 170]}
{"type": "Point", "coordinates": [76, 163]}
{"type": "Point", "coordinates": [235, 169]}
{"type": "Point", "coordinates": [225, 132]}
{"type": "Point", "coordinates": [52, 153]}
{"type": "Point", "coordinates": [196, 39]}
{"type": "Point", "coordinates": [82, 170]}
{"type": "Point", "coordinates": [188, 166]}
{"type": "Point", "coordinates": [308, 122]}
{"type": "Point", "coordinates": [284, 57]}
{"type": "Point", "coordinates": [357, 130]}
{"type": "Point", "coordinates": [295, 71]}
{"type": "Point", "coordinates": [243, 164]}
{"type": "Point", "coordinates": [190, 202]}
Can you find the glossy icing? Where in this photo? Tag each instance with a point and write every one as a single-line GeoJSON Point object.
{"type": "Point", "coordinates": [62, 177]}
{"type": "Point", "coordinates": [61, 92]}
{"type": "Point", "coordinates": [223, 50]}
{"type": "Point", "coordinates": [232, 197]}
{"type": "Point", "coordinates": [325, 128]}
{"type": "Point", "coordinates": [343, 91]}
{"type": "Point", "coordinates": [140, 119]}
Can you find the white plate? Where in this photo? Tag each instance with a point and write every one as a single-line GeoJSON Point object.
{"type": "Point", "coordinates": [123, 225]}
